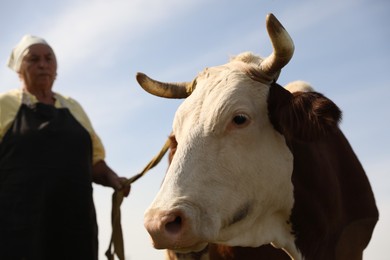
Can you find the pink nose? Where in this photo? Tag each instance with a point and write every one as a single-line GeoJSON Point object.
{"type": "Point", "coordinates": [169, 229]}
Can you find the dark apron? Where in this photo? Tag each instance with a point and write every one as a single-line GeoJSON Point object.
{"type": "Point", "coordinates": [46, 204]}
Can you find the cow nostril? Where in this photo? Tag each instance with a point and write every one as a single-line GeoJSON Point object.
{"type": "Point", "coordinates": [174, 227]}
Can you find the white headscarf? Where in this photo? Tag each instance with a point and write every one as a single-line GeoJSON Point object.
{"type": "Point", "coordinates": [17, 54]}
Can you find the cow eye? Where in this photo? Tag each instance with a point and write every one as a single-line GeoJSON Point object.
{"type": "Point", "coordinates": [240, 119]}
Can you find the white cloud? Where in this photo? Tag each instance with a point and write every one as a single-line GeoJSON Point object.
{"type": "Point", "coordinates": [89, 29]}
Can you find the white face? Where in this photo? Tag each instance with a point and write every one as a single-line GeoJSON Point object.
{"type": "Point", "coordinates": [230, 179]}
{"type": "Point", "coordinates": [39, 68]}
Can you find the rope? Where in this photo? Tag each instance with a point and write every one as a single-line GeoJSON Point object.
{"type": "Point", "coordinates": [116, 242]}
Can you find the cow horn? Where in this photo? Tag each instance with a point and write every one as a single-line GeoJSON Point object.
{"type": "Point", "coordinates": [283, 47]}
{"type": "Point", "coordinates": [166, 90]}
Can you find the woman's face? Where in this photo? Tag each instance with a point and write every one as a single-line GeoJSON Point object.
{"type": "Point", "coordinates": [39, 67]}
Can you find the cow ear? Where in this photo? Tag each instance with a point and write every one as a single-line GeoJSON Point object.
{"type": "Point", "coordinates": [306, 116]}
{"type": "Point", "coordinates": [278, 99]}
{"type": "Point", "coordinates": [172, 147]}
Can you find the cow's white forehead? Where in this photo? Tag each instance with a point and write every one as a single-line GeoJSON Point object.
{"type": "Point", "coordinates": [220, 93]}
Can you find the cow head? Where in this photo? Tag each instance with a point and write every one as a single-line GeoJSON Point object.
{"type": "Point", "coordinates": [230, 179]}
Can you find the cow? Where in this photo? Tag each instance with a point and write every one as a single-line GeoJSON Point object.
{"type": "Point", "coordinates": [257, 165]}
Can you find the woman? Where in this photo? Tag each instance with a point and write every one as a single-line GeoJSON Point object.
{"type": "Point", "coordinates": [49, 156]}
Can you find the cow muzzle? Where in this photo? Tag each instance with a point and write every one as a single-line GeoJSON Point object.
{"type": "Point", "coordinates": [174, 230]}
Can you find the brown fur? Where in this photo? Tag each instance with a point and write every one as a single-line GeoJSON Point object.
{"type": "Point", "coordinates": [305, 116]}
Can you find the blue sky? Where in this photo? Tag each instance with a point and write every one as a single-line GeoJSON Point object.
{"type": "Point", "coordinates": [342, 49]}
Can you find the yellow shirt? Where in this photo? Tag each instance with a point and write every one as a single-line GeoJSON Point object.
{"type": "Point", "coordinates": [11, 101]}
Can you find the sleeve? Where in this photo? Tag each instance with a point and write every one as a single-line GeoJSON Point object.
{"type": "Point", "coordinates": [9, 105]}
{"type": "Point", "coordinates": [80, 115]}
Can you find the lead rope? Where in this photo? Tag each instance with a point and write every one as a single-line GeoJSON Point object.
{"type": "Point", "coordinates": [116, 241]}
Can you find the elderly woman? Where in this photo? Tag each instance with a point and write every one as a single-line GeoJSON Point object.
{"type": "Point", "coordinates": [49, 156]}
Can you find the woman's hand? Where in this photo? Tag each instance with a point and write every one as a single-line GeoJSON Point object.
{"type": "Point", "coordinates": [102, 174]}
